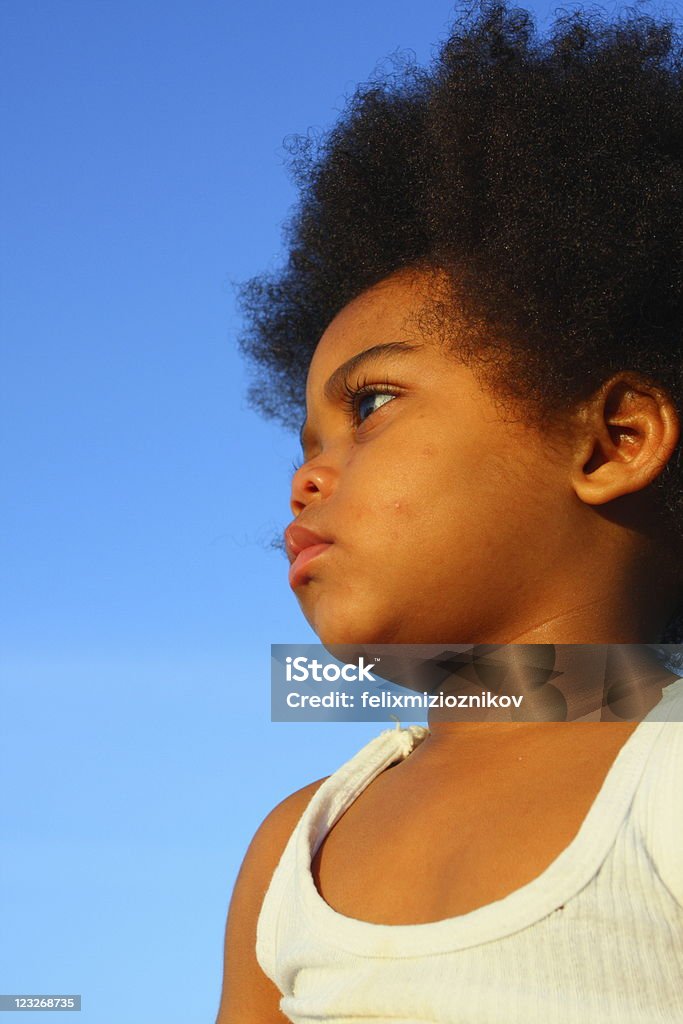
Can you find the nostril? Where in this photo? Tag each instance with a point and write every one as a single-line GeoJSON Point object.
{"type": "Point", "coordinates": [304, 489]}
{"type": "Point", "coordinates": [311, 483]}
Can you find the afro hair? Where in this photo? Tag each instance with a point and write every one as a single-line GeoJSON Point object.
{"type": "Point", "coordinates": [544, 175]}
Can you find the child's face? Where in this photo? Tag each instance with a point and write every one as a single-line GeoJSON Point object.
{"type": "Point", "coordinates": [445, 519]}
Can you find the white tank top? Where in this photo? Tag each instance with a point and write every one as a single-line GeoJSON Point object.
{"type": "Point", "coordinates": [596, 938]}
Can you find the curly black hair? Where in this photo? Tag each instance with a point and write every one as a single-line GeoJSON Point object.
{"type": "Point", "coordinates": [544, 175]}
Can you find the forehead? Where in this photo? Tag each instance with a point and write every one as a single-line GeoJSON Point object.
{"type": "Point", "coordinates": [389, 311]}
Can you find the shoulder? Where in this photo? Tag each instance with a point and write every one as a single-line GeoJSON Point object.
{"type": "Point", "coordinates": [273, 834]}
{"type": "Point", "coordinates": [248, 994]}
{"type": "Point", "coordinates": [663, 820]}
{"type": "Point", "coordinates": [268, 844]}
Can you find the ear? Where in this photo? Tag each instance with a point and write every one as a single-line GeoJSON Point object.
{"type": "Point", "coordinates": [628, 430]}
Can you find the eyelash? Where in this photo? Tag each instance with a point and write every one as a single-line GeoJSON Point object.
{"type": "Point", "coordinates": [351, 395]}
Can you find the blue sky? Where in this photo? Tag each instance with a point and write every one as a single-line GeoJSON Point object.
{"type": "Point", "coordinates": [142, 174]}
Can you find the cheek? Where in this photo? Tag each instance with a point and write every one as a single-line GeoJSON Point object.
{"type": "Point", "coordinates": [397, 502]}
{"type": "Point", "coordinates": [432, 495]}
{"type": "Point", "coordinates": [384, 519]}
{"type": "Point", "coordinates": [465, 495]}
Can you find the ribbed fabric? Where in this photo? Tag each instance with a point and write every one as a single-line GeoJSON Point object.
{"type": "Point", "coordinates": [597, 938]}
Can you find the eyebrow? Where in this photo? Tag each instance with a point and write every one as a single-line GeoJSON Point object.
{"type": "Point", "coordinates": [378, 353]}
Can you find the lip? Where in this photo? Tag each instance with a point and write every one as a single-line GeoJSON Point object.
{"type": "Point", "coordinates": [298, 570]}
{"type": "Point", "coordinates": [302, 546]}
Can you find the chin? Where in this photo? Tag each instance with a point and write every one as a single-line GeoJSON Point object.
{"type": "Point", "coordinates": [348, 623]}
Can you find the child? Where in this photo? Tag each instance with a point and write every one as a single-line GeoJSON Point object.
{"type": "Point", "coordinates": [483, 306]}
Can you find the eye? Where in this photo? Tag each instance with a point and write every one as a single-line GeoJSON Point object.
{"type": "Point", "coordinates": [362, 400]}
{"type": "Point", "coordinates": [365, 405]}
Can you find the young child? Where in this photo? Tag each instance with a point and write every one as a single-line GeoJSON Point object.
{"type": "Point", "coordinates": [483, 306]}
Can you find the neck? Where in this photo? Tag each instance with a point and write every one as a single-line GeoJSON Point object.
{"type": "Point", "coordinates": [550, 683]}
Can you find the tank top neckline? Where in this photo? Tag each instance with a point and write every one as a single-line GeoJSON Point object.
{"type": "Point", "coordinates": [564, 877]}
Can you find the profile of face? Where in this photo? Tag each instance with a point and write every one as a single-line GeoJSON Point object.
{"type": "Point", "coordinates": [449, 519]}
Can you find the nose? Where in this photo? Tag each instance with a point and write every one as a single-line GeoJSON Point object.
{"type": "Point", "coordinates": [311, 482]}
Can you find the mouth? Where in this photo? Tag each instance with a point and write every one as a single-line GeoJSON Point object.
{"type": "Point", "coordinates": [298, 571]}
{"type": "Point", "coordinates": [302, 546]}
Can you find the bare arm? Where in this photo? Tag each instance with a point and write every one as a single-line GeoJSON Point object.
{"type": "Point", "coordinates": [249, 997]}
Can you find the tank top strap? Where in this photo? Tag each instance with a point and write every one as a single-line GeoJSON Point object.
{"type": "Point", "coordinates": [335, 794]}
{"type": "Point", "coordinates": [341, 789]}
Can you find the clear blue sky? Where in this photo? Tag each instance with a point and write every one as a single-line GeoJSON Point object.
{"type": "Point", "coordinates": [142, 173]}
